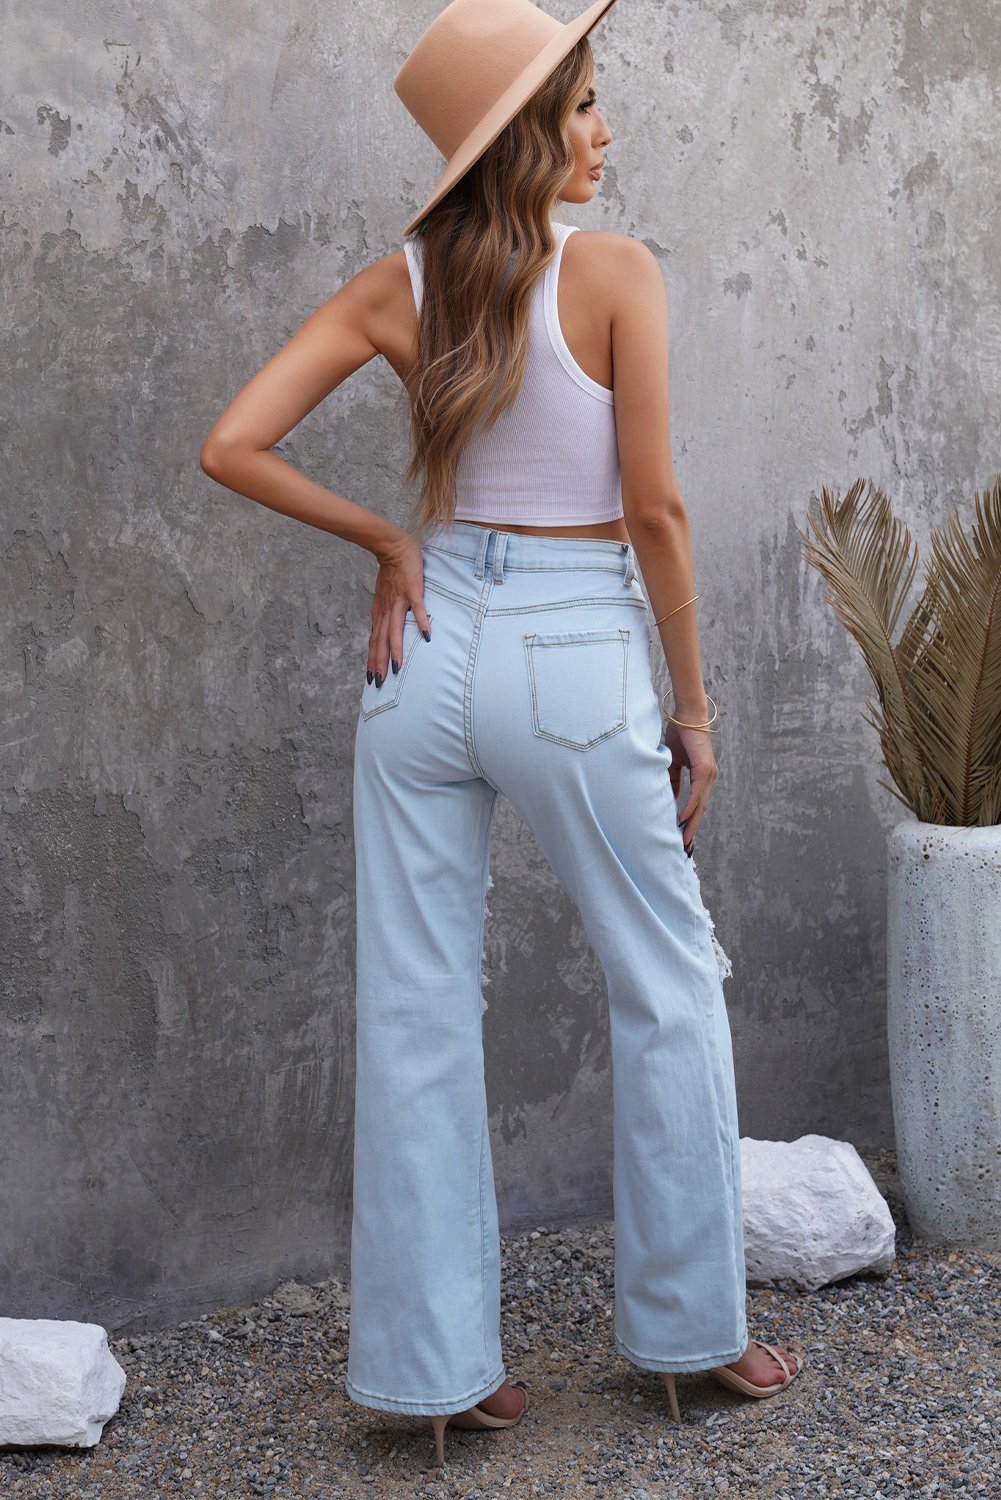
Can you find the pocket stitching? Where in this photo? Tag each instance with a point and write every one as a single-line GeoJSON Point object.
{"type": "Point", "coordinates": [534, 640]}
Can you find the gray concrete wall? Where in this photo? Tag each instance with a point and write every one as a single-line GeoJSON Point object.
{"type": "Point", "coordinates": [180, 668]}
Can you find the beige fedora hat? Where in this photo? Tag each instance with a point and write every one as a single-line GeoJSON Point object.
{"type": "Point", "coordinates": [472, 70]}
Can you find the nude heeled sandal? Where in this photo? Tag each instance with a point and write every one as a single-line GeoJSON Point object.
{"type": "Point", "coordinates": [736, 1382]}
{"type": "Point", "coordinates": [473, 1418]}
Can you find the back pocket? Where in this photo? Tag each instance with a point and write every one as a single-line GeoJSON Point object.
{"type": "Point", "coordinates": [375, 700]}
{"type": "Point", "coordinates": [577, 681]}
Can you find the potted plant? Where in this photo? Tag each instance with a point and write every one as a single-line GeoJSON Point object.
{"type": "Point", "coordinates": [938, 716]}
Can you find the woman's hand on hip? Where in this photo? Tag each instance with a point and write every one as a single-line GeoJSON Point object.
{"type": "Point", "coordinates": [399, 587]}
{"type": "Point", "coordinates": [692, 748]}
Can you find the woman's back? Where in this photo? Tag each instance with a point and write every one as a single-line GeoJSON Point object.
{"type": "Point", "coordinates": [551, 458]}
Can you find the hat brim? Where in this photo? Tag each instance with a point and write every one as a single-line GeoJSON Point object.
{"type": "Point", "coordinates": [507, 106]}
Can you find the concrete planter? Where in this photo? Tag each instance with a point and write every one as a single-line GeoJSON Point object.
{"type": "Point", "coordinates": [944, 1025]}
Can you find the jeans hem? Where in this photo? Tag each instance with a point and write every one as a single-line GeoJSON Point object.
{"type": "Point", "coordinates": [425, 1408]}
{"type": "Point", "coordinates": [695, 1362]}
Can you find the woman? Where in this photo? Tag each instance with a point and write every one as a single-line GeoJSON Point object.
{"type": "Point", "coordinates": [509, 651]}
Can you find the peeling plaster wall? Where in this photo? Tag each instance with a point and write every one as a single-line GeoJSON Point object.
{"type": "Point", "coordinates": [180, 668]}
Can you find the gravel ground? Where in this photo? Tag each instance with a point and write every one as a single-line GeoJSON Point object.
{"type": "Point", "coordinates": [898, 1397]}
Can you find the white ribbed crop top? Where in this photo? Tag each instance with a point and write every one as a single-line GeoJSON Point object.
{"type": "Point", "coordinates": [551, 458]}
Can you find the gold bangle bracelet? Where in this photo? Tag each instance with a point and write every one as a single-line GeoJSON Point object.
{"type": "Point", "coordinates": [676, 608]}
{"type": "Point", "coordinates": [681, 723]}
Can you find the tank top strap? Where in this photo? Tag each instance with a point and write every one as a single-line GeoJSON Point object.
{"type": "Point", "coordinates": [412, 250]}
{"type": "Point", "coordinates": [562, 233]}
{"type": "Point", "coordinates": [550, 280]}
{"type": "Point", "coordinates": [550, 305]}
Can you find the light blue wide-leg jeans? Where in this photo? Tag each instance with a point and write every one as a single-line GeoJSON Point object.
{"type": "Point", "coordinates": [536, 683]}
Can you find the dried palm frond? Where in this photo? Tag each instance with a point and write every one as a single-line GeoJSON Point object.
{"type": "Point", "coordinates": [868, 560]}
{"type": "Point", "coordinates": [956, 671]}
{"type": "Point", "coordinates": [938, 714]}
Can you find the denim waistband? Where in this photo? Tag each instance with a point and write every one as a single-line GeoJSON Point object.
{"type": "Point", "coordinates": [490, 547]}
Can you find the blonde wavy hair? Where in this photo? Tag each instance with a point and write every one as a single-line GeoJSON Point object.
{"type": "Point", "coordinates": [472, 335]}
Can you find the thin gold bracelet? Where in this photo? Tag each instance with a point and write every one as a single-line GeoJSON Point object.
{"type": "Point", "coordinates": [676, 608]}
{"type": "Point", "coordinates": [681, 723]}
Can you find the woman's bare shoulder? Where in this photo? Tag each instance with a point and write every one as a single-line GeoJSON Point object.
{"type": "Point", "coordinates": [374, 298]}
{"type": "Point", "coordinates": [384, 276]}
{"type": "Point", "coordinates": [612, 244]}
{"type": "Point", "coordinates": [615, 262]}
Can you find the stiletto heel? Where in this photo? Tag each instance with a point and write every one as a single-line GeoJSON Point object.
{"type": "Point", "coordinates": [439, 1424]}
{"type": "Point", "coordinates": [473, 1418]}
{"type": "Point", "coordinates": [668, 1378]}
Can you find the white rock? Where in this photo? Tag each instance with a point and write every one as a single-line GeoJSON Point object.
{"type": "Point", "coordinates": [812, 1213]}
{"type": "Point", "coordinates": [59, 1381]}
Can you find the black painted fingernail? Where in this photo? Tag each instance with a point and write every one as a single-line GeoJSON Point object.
{"type": "Point", "coordinates": [369, 674]}
{"type": "Point", "coordinates": [378, 679]}
{"type": "Point", "coordinates": [396, 665]}
{"type": "Point", "coordinates": [690, 848]}
{"type": "Point", "coordinates": [426, 634]}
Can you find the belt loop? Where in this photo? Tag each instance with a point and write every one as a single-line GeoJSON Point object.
{"type": "Point", "coordinates": [629, 572]}
{"type": "Point", "coordinates": [500, 547]}
{"type": "Point", "coordinates": [481, 554]}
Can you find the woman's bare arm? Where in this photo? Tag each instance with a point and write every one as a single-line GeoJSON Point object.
{"type": "Point", "coordinates": [654, 511]}
{"type": "Point", "coordinates": [653, 508]}
{"type": "Point", "coordinates": [330, 345]}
